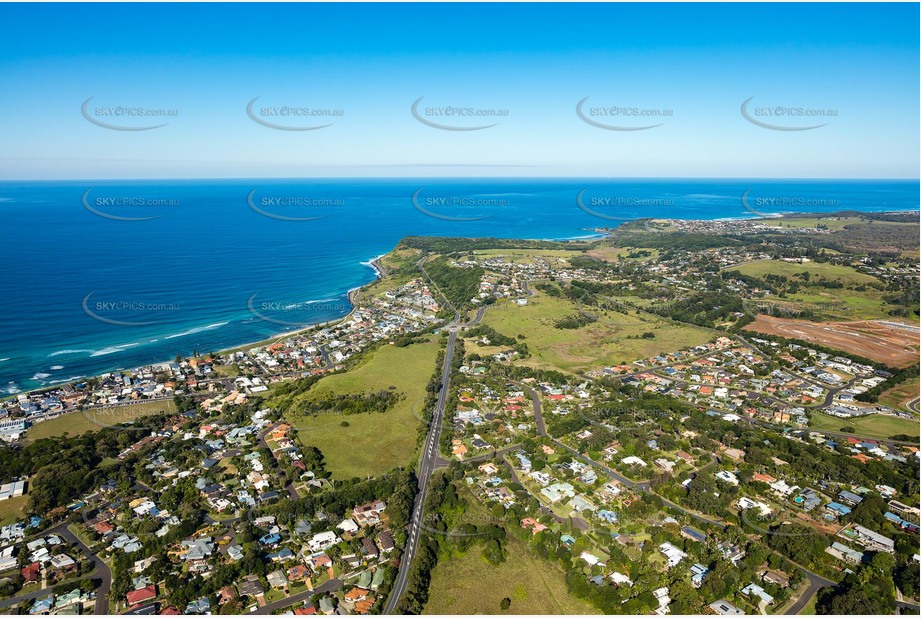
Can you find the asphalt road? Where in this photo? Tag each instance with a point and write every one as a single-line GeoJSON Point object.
{"type": "Point", "coordinates": [327, 586]}
{"type": "Point", "coordinates": [914, 404]}
{"type": "Point", "coordinates": [808, 593]}
{"type": "Point", "coordinates": [428, 463]}
{"type": "Point", "coordinates": [429, 459]}
{"type": "Point", "coordinates": [100, 571]}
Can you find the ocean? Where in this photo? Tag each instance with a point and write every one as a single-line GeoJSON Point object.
{"type": "Point", "coordinates": [107, 275]}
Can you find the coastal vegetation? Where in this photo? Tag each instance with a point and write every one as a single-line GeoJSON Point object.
{"type": "Point", "coordinates": [459, 285]}
{"type": "Point", "coordinates": [437, 244]}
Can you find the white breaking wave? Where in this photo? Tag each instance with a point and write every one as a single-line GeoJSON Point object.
{"type": "Point", "coordinates": [56, 367]}
{"type": "Point", "coordinates": [60, 352]}
{"type": "Point", "coordinates": [113, 349]}
{"type": "Point", "coordinates": [198, 329]}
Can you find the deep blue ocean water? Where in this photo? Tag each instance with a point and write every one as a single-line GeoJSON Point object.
{"type": "Point", "coordinates": [204, 265]}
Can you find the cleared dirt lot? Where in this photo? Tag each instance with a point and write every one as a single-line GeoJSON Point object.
{"type": "Point", "coordinates": [885, 343]}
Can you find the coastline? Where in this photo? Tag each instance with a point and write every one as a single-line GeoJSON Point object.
{"type": "Point", "coordinates": [352, 296]}
{"type": "Point", "coordinates": [379, 274]}
{"type": "Point", "coordinates": [380, 271]}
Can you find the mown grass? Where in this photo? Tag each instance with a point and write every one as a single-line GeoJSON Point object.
{"type": "Point", "coordinates": [78, 423]}
{"type": "Point", "coordinates": [13, 509]}
{"type": "Point", "coordinates": [872, 426]}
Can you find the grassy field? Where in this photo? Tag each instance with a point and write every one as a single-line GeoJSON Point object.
{"type": "Point", "coordinates": [827, 303]}
{"type": "Point", "coordinates": [832, 223]}
{"type": "Point", "coordinates": [844, 305]}
{"type": "Point", "coordinates": [611, 254]}
{"type": "Point", "coordinates": [227, 371]}
{"type": "Point", "coordinates": [613, 339]}
{"type": "Point", "coordinates": [521, 255]}
{"type": "Point", "coordinates": [872, 426]}
{"type": "Point", "coordinates": [469, 585]}
{"type": "Point", "coordinates": [77, 423]}
{"type": "Point", "coordinates": [13, 509]}
{"type": "Point", "coordinates": [373, 443]}
{"type": "Point", "coordinates": [898, 396]}
{"type": "Point", "coordinates": [844, 274]}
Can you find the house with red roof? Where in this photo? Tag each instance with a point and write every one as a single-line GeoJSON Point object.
{"type": "Point", "coordinates": [147, 593]}
{"type": "Point", "coordinates": [534, 525]}
{"type": "Point", "coordinates": [30, 573]}
{"type": "Point", "coordinates": [104, 527]}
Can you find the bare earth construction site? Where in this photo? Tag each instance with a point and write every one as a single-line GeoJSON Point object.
{"type": "Point", "coordinates": [888, 342]}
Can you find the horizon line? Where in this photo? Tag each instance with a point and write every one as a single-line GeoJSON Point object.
{"type": "Point", "coordinates": [412, 177]}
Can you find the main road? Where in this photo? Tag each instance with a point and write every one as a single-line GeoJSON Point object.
{"type": "Point", "coordinates": [429, 459]}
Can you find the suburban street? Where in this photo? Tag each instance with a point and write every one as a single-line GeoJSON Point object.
{"type": "Point", "coordinates": [327, 586]}
{"type": "Point", "coordinates": [100, 571]}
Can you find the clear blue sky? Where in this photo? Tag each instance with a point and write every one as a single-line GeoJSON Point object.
{"type": "Point", "coordinates": [537, 62]}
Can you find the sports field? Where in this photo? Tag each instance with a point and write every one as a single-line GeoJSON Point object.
{"type": "Point", "coordinates": [77, 423]}
{"type": "Point", "coordinates": [872, 426]}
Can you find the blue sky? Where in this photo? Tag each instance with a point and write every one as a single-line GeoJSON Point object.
{"type": "Point", "coordinates": [857, 62]}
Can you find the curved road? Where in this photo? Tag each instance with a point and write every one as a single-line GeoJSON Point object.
{"type": "Point", "coordinates": [816, 581]}
{"type": "Point", "coordinates": [431, 459]}
{"type": "Point", "coordinates": [100, 571]}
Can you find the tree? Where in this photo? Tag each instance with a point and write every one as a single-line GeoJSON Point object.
{"type": "Point", "coordinates": [505, 603]}
{"type": "Point", "coordinates": [493, 552]}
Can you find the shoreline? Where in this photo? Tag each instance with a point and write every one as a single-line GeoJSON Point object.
{"type": "Point", "coordinates": [352, 295]}
{"type": "Point", "coordinates": [595, 234]}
